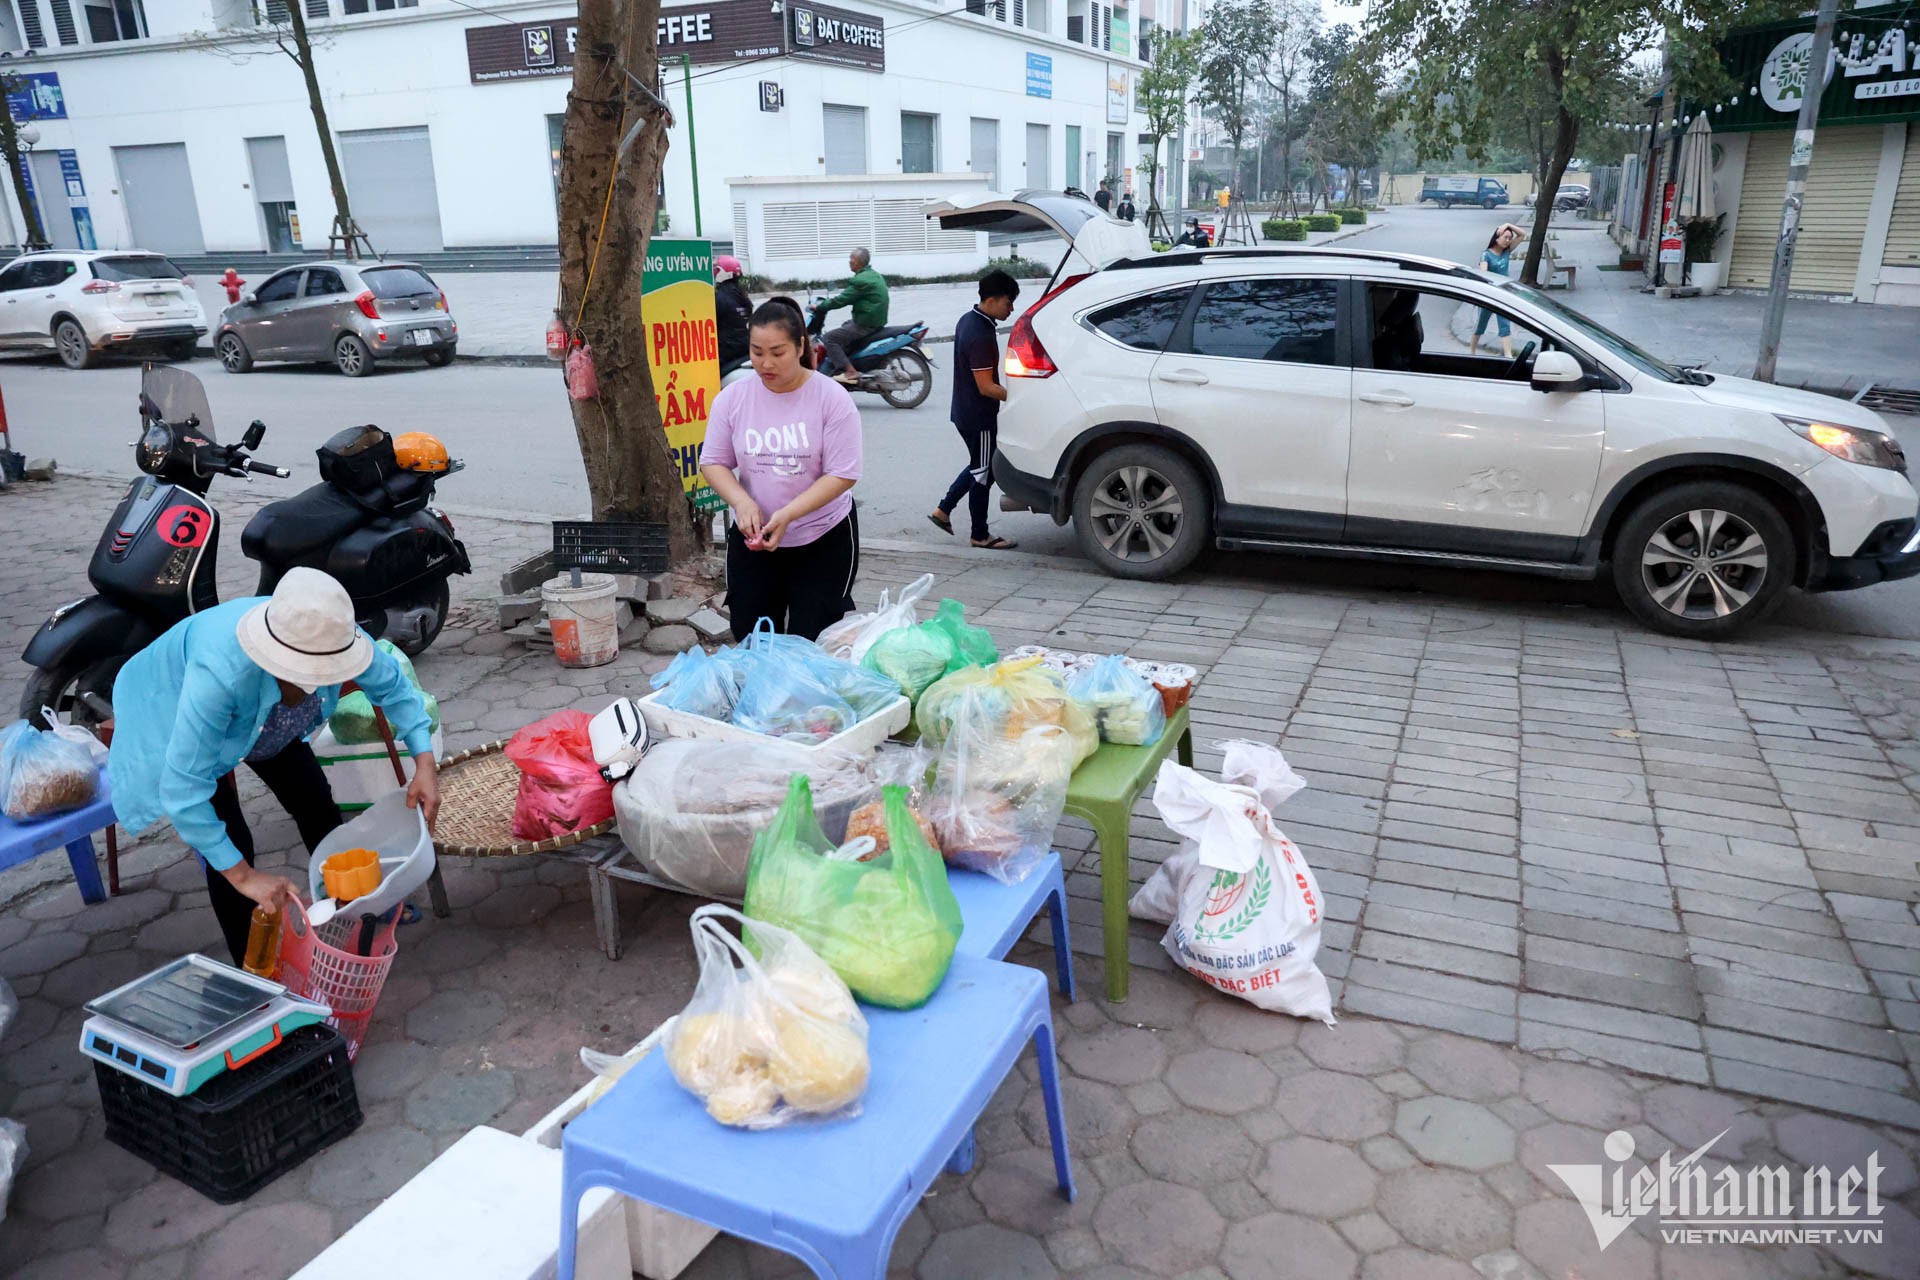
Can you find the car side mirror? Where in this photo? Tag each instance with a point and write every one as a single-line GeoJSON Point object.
{"type": "Point", "coordinates": [1557, 371]}
{"type": "Point", "coordinates": [249, 299]}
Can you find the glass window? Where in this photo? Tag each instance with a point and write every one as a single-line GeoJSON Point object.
{"type": "Point", "coordinates": [1604, 336]}
{"type": "Point", "coordinates": [918, 152]}
{"type": "Point", "coordinates": [280, 288]}
{"type": "Point", "coordinates": [44, 273]}
{"type": "Point", "coordinates": [1427, 331]}
{"type": "Point", "coordinates": [1146, 323]}
{"type": "Point", "coordinates": [132, 268]}
{"type": "Point", "coordinates": [398, 282]}
{"type": "Point", "coordinates": [14, 277]}
{"type": "Point", "coordinates": [321, 282]}
{"type": "Point", "coordinates": [1287, 320]}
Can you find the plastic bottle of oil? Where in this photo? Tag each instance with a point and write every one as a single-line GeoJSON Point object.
{"type": "Point", "coordinates": [263, 943]}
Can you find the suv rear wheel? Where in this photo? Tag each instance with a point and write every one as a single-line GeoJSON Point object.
{"type": "Point", "coordinates": [1142, 511]}
{"type": "Point", "coordinates": [70, 340]}
{"type": "Point", "coordinates": [1704, 560]}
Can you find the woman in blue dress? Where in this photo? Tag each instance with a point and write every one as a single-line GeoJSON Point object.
{"type": "Point", "coordinates": [1498, 259]}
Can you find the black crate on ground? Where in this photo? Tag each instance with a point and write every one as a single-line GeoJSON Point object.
{"type": "Point", "coordinates": [607, 546]}
{"type": "Point", "coordinates": [241, 1129]}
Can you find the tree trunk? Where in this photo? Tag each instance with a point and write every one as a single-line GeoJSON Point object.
{"type": "Point", "coordinates": [35, 234]}
{"type": "Point", "coordinates": [303, 55]}
{"type": "Point", "coordinates": [1566, 133]}
{"type": "Point", "coordinates": [631, 472]}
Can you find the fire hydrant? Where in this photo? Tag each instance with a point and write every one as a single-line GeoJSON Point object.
{"type": "Point", "coordinates": [232, 283]}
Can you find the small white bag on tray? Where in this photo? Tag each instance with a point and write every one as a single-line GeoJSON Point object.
{"type": "Point", "coordinates": [1241, 905]}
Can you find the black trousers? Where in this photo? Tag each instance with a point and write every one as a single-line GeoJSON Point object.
{"type": "Point", "coordinates": [976, 480]}
{"type": "Point", "coordinates": [804, 590]}
{"type": "Point", "coordinates": [300, 785]}
{"type": "Point", "coordinates": [837, 340]}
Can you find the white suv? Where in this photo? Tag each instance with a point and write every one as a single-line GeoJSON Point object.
{"type": "Point", "coordinates": [85, 305]}
{"type": "Point", "coordinates": [1385, 406]}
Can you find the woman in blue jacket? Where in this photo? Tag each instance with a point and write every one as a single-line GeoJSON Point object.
{"type": "Point", "coordinates": [247, 682]}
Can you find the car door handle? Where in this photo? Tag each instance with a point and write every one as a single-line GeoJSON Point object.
{"type": "Point", "coordinates": [1393, 398]}
{"type": "Point", "coordinates": [1186, 377]}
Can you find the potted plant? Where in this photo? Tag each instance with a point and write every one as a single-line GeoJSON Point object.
{"type": "Point", "coordinates": [1703, 240]}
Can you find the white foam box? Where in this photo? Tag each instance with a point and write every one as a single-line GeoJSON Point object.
{"type": "Point", "coordinates": [362, 773]}
{"type": "Point", "coordinates": [665, 722]}
{"type": "Point", "coordinates": [487, 1209]}
{"type": "Point", "coordinates": [660, 1244]}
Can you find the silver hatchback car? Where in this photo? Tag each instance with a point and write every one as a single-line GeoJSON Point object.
{"type": "Point", "coordinates": [351, 313]}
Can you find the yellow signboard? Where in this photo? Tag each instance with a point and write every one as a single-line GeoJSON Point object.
{"type": "Point", "coordinates": [683, 350]}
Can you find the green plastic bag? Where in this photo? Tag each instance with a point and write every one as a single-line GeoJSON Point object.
{"type": "Point", "coordinates": [972, 646]}
{"type": "Point", "coordinates": [353, 722]}
{"type": "Point", "coordinates": [887, 927]}
{"type": "Point", "coordinates": [911, 657]}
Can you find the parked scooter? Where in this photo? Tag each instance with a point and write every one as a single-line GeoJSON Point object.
{"type": "Point", "coordinates": [368, 524]}
{"type": "Point", "coordinates": [891, 364]}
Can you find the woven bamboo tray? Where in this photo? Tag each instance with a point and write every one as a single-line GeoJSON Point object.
{"type": "Point", "coordinates": [477, 790]}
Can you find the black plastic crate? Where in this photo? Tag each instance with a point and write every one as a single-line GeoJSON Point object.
{"type": "Point", "coordinates": [241, 1129]}
{"type": "Point", "coordinates": [607, 546]}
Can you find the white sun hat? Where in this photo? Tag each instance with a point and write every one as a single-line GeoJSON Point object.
{"type": "Point", "coordinates": [306, 634]}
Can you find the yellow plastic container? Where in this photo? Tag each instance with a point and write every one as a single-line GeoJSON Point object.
{"type": "Point", "coordinates": [351, 874]}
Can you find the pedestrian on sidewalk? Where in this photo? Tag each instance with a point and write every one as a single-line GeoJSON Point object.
{"type": "Point", "coordinates": [977, 396]}
{"type": "Point", "coordinates": [246, 682]}
{"type": "Point", "coordinates": [784, 451]}
{"type": "Point", "coordinates": [1498, 259]}
{"type": "Point", "coordinates": [1103, 196]}
{"type": "Point", "coordinates": [1126, 211]}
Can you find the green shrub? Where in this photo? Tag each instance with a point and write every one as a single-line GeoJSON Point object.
{"type": "Point", "coordinates": [1284, 229]}
{"type": "Point", "coordinates": [1161, 246]}
{"type": "Point", "coordinates": [1353, 217]}
{"type": "Point", "coordinates": [1021, 268]}
{"type": "Point", "coordinates": [1323, 222]}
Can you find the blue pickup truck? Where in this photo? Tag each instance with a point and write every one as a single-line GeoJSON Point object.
{"type": "Point", "coordinates": [1488, 193]}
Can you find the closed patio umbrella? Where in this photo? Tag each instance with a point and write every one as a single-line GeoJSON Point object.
{"type": "Point", "coordinates": [1696, 172]}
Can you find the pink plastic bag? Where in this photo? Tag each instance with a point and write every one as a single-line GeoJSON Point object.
{"type": "Point", "coordinates": [561, 790]}
{"type": "Point", "coordinates": [583, 381]}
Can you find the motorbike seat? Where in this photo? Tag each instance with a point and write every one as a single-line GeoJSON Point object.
{"type": "Point", "coordinates": [297, 529]}
{"type": "Point", "coordinates": [879, 336]}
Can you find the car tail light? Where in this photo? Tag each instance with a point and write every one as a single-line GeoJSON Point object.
{"type": "Point", "coordinates": [365, 303]}
{"type": "Point", "coordinates": [100, 286]}
{"type": "Point", "coordinates": [1026, 356]}
{"type": "Point", "coordinates": [186, 281]}
{"type": "Point", "coordinates": [442, 304]}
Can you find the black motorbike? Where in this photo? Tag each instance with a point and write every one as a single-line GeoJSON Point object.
{"type": "Point", "coordinates": [368, 524]}
{"type": "Point", "coordinates": [889, 362]}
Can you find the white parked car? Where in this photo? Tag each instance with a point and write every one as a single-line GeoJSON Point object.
{"type": "Point", "coordinates": [86, 305]}
{"type": "Point", "coordinates": [1334, 402]}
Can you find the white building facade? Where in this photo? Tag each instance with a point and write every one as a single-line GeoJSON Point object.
{"type": "Point", "coordinates": [179, 125]}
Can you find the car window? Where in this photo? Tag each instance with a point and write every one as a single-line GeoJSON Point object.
{"type": "Point", "coordinates": [1146, 322]}
{"type": "Point", "coordinates": [397, 282]}
{"type": "Point", "coordinates": [321, 282]}
{"type": "Point", "coordinates": [13, 277]}
{"type": "Point", "coordinates": [1432, 332]}
{"type": "Point", "coordinates": [144, 267]}
{"type": "Point", "coordinates": [1286, 320]}
{"type": "Point", "coordinates": [1604, 336]}
{"type": "Point", "coordinates": [280, 288]}
{"type": "Point", "coordinates": [43, 273]}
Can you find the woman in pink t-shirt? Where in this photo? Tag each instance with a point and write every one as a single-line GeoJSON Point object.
{"type": "Point", "coordinates": [783, 450]}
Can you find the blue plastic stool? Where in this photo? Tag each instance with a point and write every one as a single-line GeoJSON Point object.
{"type": "Point", "coordinates": [998, 915]}
{"type": "Point", "coordinates": [24, 841]}
{"type": "Point", "coordinates": [832, 1193]}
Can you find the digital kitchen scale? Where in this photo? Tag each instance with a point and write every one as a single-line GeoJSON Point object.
{"type": "Point", "coordinates": [183, 1024]}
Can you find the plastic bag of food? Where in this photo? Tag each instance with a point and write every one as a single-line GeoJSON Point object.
{"type": "Point", "coordinates": [1017, 695]}
{"type": "Point", "coordinates": [852, 636]}
{"type": "Point", "coordinates": [352, 721]}
{"type": "Point", "coordinates": [786, 700]}
{"type": "Point", "coordinates": [1124, 703]}
{"type": "Point", "coordinates": [561, 790]}
{"type": "Point", "coordinates": [996, 800]}
{"type": "Point", "coordinates": [44, 772]}
{"type": "Point", "coordinates": [698, 683]}
{"type": "Point", "coordinates": [972, 646]}
{"type": "Point", "coordinates": [771, 1035]}
{"type": "Point", "coordinates": [691, 808]}
{"type": "Point", "coordinates": [888, 927]}
{"type": "Point", "coordinates": [912, 657]}
{"type": "Point", "coordinates": [896, 765]}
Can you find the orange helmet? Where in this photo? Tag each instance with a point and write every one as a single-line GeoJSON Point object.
{"type": "Point", "coordinates": [418, 451]}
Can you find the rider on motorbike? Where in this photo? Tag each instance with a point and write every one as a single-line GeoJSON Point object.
{"type": "Point", "coordinates": [866, 293]}
{"type": "Point", "coordinates": [731, 307]}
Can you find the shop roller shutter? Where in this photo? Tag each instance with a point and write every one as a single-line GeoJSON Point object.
{"type": "Point", "coordinates": [1846, 164]}
{"type": "Point", "coordinates": [389, 175]}
{"type": "Point", "coordinates": [1903, 233]}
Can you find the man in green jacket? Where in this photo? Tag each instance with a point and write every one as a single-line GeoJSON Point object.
{"type": "Point", "coordinates": [866, 293]}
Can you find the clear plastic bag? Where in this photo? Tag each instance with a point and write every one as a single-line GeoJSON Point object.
{"type": "Point", "coordinates": [896, 764]}
{"type": "Point", "coordinates": [1124, 703]}
{"type": "Point", "coordinates": [887, 927]}
{"type": "Point", "coordinates": [691, 809]}
{"type": "Point", "coordinates": [852, 636]}
{"type": "Point", "coordinates": [561, 790]}
{"type": "Point", "coordinates": [771, 1035]}
{"type": "Point", "coordinates": [44, 772]}
{"type": "Point", "coordinates": [13, 1154]}
{"type": "Point", "coordinates": [972, 646]}
{"type": "Point", "coordinates": [792, 688]}
{"type": "Point", "coordinates": [996, 800]}
{"type": "Point", "coordinates": [1016, 695]}
{"type": "Point", "coordinates": [352, 721]}
{"type": "Point", "coordinates": [700, 684]}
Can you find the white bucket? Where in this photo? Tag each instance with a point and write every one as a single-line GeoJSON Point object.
{"type": "Point", "coordinates": [584, 619]}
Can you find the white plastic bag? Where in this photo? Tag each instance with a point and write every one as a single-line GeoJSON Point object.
{"type": "Point", "coordinates": [996, 800]}
{"type": "Point", "coordinates": [1242, 907]}
{"type": "Point", "coordinates": [852, 636]}
{"type": "Point", "coordinates": [44, 772]}
{"type": "Point", "coordinates": [13, 1153]}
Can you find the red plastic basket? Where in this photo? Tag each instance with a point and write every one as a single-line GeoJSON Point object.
{"type": "Point", "coordinates": [323, 964]}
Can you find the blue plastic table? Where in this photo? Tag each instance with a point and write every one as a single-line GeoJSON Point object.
{"type": "Point", "coordinates": [832, 1193]}
{"type": "Point", "coordinates": [23, 841]}
{"type": "Point", "coordinates": [997, 915]}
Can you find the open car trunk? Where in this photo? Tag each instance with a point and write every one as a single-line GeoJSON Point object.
{"type": "Point", "coordinates": [1094, 239]}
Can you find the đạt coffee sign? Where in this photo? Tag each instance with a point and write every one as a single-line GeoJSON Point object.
{"type": "Point", "coordinates": [723, 31]}
{"type": "Point", "coordinates": [821, 33]}
{"type": "Point", "coordinates": [1872, 76]}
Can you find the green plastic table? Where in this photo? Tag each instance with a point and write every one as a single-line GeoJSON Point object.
{"type": "Point", "coordinates": [1103, 791]}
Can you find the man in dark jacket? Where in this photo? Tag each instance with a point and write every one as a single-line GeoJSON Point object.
{"type": "Point", "coordinates": [866, 293]}
{"type": "Point", "coordinates": [731, 309]}
{"type": "Point", "coordinates": [1104, 196]}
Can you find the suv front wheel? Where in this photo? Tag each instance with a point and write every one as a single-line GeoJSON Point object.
{"type": "Point", "coordinates": [1142, 511]}
{"type": "Point", "coordinates": [1704, 560]}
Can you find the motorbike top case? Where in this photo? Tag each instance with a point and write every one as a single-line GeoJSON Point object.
{"type": "Point", "coordinates": [360, 462]}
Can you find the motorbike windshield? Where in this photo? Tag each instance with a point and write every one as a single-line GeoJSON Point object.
{"type": "Point", "coordinates": [174, 396]}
